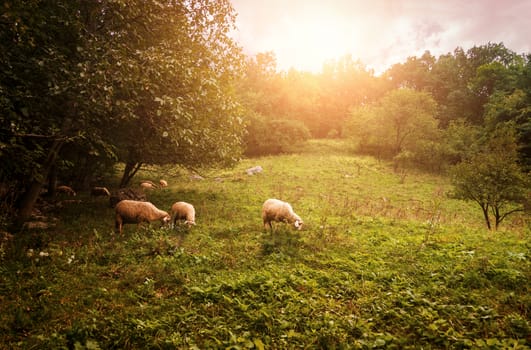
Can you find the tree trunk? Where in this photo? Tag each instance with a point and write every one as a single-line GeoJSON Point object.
{"type": "Point", "coordinates": [130, 170]}
{"type": "Point", "coordinates": [83, 178]}
{"type": "Point", "coordinates": [52, 181]}
{"type": "Point", "coordinates": [498, 217]}
{"type": "Point", "coordinates": [485, 209]}
{"type": "Point", "coordinates": [29, 198]}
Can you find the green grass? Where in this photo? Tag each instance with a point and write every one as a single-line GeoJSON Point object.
{"type": "Point", "coordinates": [382, 262]}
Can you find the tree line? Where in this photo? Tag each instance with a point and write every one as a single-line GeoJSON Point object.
{"type": "Point", "coordinates": [87, 85]}
{"type": "Point", "coordinates": [467, 113]}
{"type": "Point", "coordinates": [482, 87]}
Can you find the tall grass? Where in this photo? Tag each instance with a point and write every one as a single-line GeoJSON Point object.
{"type": "Point", "coordinates": [382, 262]}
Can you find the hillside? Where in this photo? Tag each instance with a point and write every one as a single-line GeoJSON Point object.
{"type": "Point", "coordinates": [384, 260]}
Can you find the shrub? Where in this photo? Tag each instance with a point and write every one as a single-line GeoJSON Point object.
{"type": "Point", "coordinates": [275, 136]}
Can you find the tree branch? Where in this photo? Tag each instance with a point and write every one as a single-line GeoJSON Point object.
{"type": "Point", "coordinates": [510, 212]}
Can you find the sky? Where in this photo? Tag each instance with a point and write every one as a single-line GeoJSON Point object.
{"type": "Point", "coordinates": [304, 34]}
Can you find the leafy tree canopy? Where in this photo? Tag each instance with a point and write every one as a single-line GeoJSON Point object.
{"type": "Point", "coordinates": [137, 81]}
{"type": "Point", "coordinates": [397, 123]}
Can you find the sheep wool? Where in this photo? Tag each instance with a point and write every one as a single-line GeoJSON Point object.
{"type": "Point", "coordinates": [136, 212]}
{"type": "Point", "coordinates": [100, 191]}
{"type": "Point", "coordinates": [66, 190]}
{"type": "Point", "coordinates": [254, 170]}
{"type": "Point", "coordinates": [183, 211]}
{"type": "Point", "coordinates": [280, 211]}
{"type": "Point", "coordinates": [148, 185]}
{"type": "Point", "coordinates": [163, 183]}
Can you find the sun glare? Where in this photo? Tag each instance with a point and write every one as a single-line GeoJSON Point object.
{"type": "Point", "coordinates": [312, 41]}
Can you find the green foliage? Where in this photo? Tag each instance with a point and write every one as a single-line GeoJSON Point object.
{"type": "Point", "coordinates": [93, 83]}
{"type": "Point", "coordinates": [513, 107]}
{"type": "Point", "coordinates": [266, 136]}
{"type": "Point", "coordinates": [460, 141]}
{"type": "Point", "coordinates": [493, 178]}
{"type": "Point", "coordinates": [379, 264]}
{"type": "Point", "coordinates": [320, 101]}
{"type": "Point", "coordinates": [401, 123]}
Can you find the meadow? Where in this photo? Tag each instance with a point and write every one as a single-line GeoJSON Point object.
{"type": "Point", "coordinates": [384, 260]}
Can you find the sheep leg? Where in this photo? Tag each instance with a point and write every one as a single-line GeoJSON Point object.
{"type": "Point", "coordinates": [266, 223]}
{"type": "Point", "coordinates": [118, 225]}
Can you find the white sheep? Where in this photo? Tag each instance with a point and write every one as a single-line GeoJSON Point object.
{"type": "Point", "coordinates": [183, 211]}
{"type": "Point", "coordinates": [148, 185]}
{"type": "Point", "coordinates": [66, 190]}
{"type": "Point", "coordinates": [100, 191]}
{"type": "Point", "coordinates": [254, 170]}
{"type": "Point", "coordinates": [137, 212]}
{"type": "Point", "coordinates": [280, 211]}
{"type": "Point", "coordinates": [163, 183]}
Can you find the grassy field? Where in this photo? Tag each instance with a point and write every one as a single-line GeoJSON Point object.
{"type": "Point", "coordinates": [384, 260]}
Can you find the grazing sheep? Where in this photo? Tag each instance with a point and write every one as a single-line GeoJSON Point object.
{"type": "Point", "coordinates": [280, 211]}
{"type": "Point", "coordinates": [149, 182]}
{"type": "Point", "coordinates": [254, 170]}
{"type": "Point", "coordinates": [163, 183]}
{"type": "Point", "coordinates": [136, 212]}
{"type": "Point", "coordinates": [183, 211]}
{"type": "Point", "coordinates": [66, 190]}
{"type": "Point", "coordinates": [148, 185]}
{"type": "Point", "coordinates": [100, 191]}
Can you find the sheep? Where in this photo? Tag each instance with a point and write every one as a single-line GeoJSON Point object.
{"type": "Point", "coordinates": [66, 190]}
{"type": "Point", "coordinates": [100, 191]}
{"type": "Point", "coordinates": [149, 182]}
{"type": "Point", "coordinates": [183, 211]}
{"type": "Point", "coordinates": [163, 183]}
{"type": "Point", "coordinates": [131, 212]}
{"type": "Point", "coordinates": [254, 170]}
{"type": "Point", "coordinates": [280, 211]}
{"type": "Point", "coordinates": [148, 185]}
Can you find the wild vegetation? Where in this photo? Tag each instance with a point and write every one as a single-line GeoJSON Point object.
{"type": "Point", "coordinates": [388, 173]}
{"type": "Point", "coordinates": [383, 261]}
{"type": "Point", "coordinates": [89, 85]}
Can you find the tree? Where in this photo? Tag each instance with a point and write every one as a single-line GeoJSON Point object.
{"type": "Point", "coordinates": [45, 100]}
{"type": "Point", "coordinates": [259, 88]}
{"type": "Point", "coordinates": [345, 84]}
{"type": "Point", "coordinates": [136, 81]}
{"type": "Point", "coordinates": [365, 129]}
{"type": "Point", "coordinates": [265, 136]}
{"type": "Point", "coordinates": [460, 141]}
{"type": "Point", "coordinates": [493, 178]}
{"type": "Point", "coordinates": [400, 122]}
{"type": "Point", "coordinates": [415, 73]}
{"type": "Point", "coordinates": [176, 97]}
{"type": "Point", "coordinates": [510, 101]}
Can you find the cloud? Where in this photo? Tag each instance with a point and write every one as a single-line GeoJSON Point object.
{"type": "Point", "coordinates": [303, 33]}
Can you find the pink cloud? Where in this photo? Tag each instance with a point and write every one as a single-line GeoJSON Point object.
{"type": "Point", "coordinates": [378, 32]}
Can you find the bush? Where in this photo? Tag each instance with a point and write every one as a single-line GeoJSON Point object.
{"type": "Point", "coordinates": [266, 137]}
